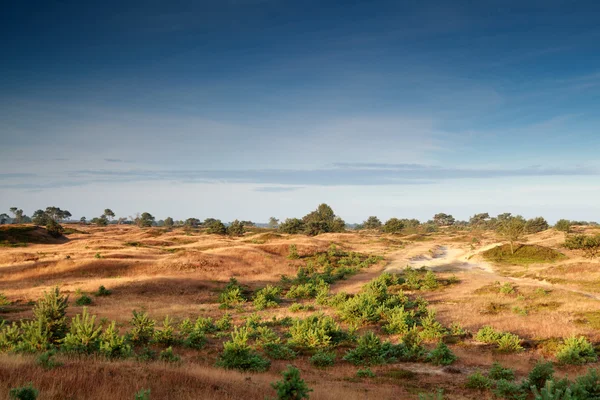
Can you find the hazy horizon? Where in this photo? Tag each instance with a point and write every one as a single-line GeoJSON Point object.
{"type": "Point", "coordinates": [249, 109]}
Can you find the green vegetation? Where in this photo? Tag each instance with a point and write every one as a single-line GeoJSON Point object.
{"type": "Point", "coordinates": [523, 255]}
{"type": "Point", "coordinates": [267, 297]}
{"type": "Point", "coordinates": [232, 295]}
{"type": "Point", "coordinates": [441, 355]}
{"type": "Point", "coordinates": [576, 350]}
{"type": "Point", "coordinates": [237, 354]}
{"type": "Point", "coordinates": [24, 393]}
{"type": "Point", "coordinates": [589, 244]}
{"type": "Point", "coordinates": [291, 387]}
{"type": "Point", "coordinates": [506, 342]}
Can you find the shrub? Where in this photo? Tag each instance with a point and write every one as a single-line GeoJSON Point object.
{"type": "Point", "coordinates": [371, 351]}
{"type": "Point", "coordinates": [165, 335]}
{"type": "Point", "coordinates": [102, 291]}
{"type": "Point", "coordinates": [216, 227]}
{"type": "Point", "coordinates": [112, 344]}
{"type": "Point", "coordinates": [587, 386]}
{"type": "Point", "coordinates": [147, 354]}
{"type": "Point", "coordinates": [398, 321]}
{"type": "Point", "coordinates": [3, 300]}
{"type": "Point", "coordinates": [24, 393]}
{"type": "Point", "coordinates": [498, 372]}
{"type": "Point", "coordinates": [236, 228]}
{"type": "Point", "coordinates": [237, 354]}
{"type": "Point", "coordinates": [536, 225]}
{"type": "Point", "coordinates": [293, 252]}
{"type": "Point", "coordinates": [46, 360]}
{"type": "Point", "coordinates": [54, 229]}
{"type": "Point", "coordinates": [232, 295]}
{"type": "Point", "coordinates": [278, 351]}
{"type": "Point", "coordinates": [167, 355]}
{"type": "Point", "coordinates": [589, 244]}
{"type": "Point", "coordinates": [539, 374]}
{"type": "Point", "coordinates": [506, 389]}
{"type": "Point", "coordinates": [432, 329]}
{"type": "Point", "coordinates": [143, 328]}
{"type": "Point", "coordinates": [34, 337]}
{"type": "Point", "coordinates": [83, 300]}
{"type": "Point", "coordinates": [576, 350]}
{"type": "Point", "coordinates": [143, 394]}
{"type": "Point", "coordinates": [439, 395]}
{"type": "Point", "coordinates": [478, 381]}
{"type": "Point", "coordinates": [509, 343]}
{"type": "Point", "coordinates": [322, 359]}
{"type": "Point", "coordinates": [393, 225]}
{"type": "Point", "coordinates": [563, 225]}
{"type": "Point", "coordinates": [267, 297]}
{"type": "Point", "coordinates": [84, 335]}
{"type": "Point", "coordinates": [315, 332]}
{"type": "Point", "coordinates": [365, 373]}
{"type": "Point", "coordinates": [291, 226]}
{"type": "Point", "coordinates": [223, 323]}
{"type": "Point", "coordinates": [51, 311]}
{"type": "Point", "coordinates": [549, 392]}
{"type": "Point", "coordinates": [291, 387]}
{"type": "Point", "coordinates": [487, 334]}
{"type": "Point", "coordinates": [441, 355]}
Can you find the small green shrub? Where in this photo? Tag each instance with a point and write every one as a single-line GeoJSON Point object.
{"type": "Point", "coordinates": [316, 332]}
{"type": "Point", "coordinates": [165, 335]}
{"type": "Point", "coordinates": [487, 334]}
{"type": "Point", "coordinates": [478, 381]}
{"type": "Point", "coordinates": [549, 392]}
{"type": "Point", "coordinates": [147, 354]}
{"type": "Point", "coordinates": [576, 350]}
{"type": "Point", "coordinates": [143, 394]}
{"type": "Point", "coordinates": [498, 372]}
{"type": "Point", "coordinates": [167, 355]}
{"type": "Point", "coordinates": [112, 344]}
{"type": "Point", "coordinates": [371, 351]}
{"type": "Point", "coordinates": [84, 335]}
{"type": "Point", "coordinates": [143, 328]}
{"type": "Point", "coordinates": [102, 291]}
{"type": "Point", "coordinates": [24, 393]}
{"type": "Point", "coordinates": [232, 295]}
{"type": "Point", "coordinates": [439, 395]}
{"type": "Point", "coordinates": [293, 253]}
{"type": "Point", "coordinates": [441, 355]}
{"type": "Point", "coordinates": [506, 389]}
{"type": "Point", "coordinates": [365, 373]}
{"type": "Point", "coordinates": [237, 354]}
{"type": "Point", "coordinates": [83, 300]}
{"type": "Point", "coordinates": [267, 297]}
{"type": "Point", "coordinates": [322, 359]}
{"type": "Point", "coordinates": [509, 343]}
{"type": "Point", "coordinates": [540, 373]}
{"type": "Point", "coordinates": [291, 387]}
{"type": "Point", "coordinates": [278, 351]}
{"type": "Point", "coordinates": [46, 360]}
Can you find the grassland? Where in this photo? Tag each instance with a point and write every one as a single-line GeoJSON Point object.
{"type": "Point", "coordinates": [542, 294]}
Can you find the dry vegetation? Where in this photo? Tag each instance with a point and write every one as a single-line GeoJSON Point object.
{"type": "Point", "coordinates": [543, 293]}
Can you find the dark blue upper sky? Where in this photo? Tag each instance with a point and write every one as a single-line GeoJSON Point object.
{"type": "Point", "coordinates": [276, 92]}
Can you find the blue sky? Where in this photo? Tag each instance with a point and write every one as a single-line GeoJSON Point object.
{"type": "Point", "coordinates": [252, 108]}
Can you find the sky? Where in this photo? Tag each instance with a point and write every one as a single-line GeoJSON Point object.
{"type": "Point", "coordinates": [256, 108]}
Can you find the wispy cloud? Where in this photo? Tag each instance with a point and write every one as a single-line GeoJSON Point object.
{"type": "Point", "coordinates": [277, 189]}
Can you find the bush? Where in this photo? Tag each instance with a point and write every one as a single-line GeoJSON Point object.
{"type": "Point", "coordinates": [587, 386]}
{"type": "Point", "coordinates": [478, 381]}
{"type": "Point", "coordinates": [83, 300]}
{"type": "Point", "coordinates": [441, 355]}
{"type": "Point", "coordinates": [322, 359]}
{"type": "Point", "coordinates": [549, 392]}
{"type": "Point", "coordinates": [237, 354]}
{"type": "Point", "coordinates": [498, 372]}
{"type": "Point", "coordinates": [278, 351]}
{"type": "Point", "coordinates": [315, 332]}
{"type": "Point", "coordinates": [540, 373]}
{"type": "Point", "coordinates": [506, 389]}
{"type": "Point", "coordinates": [509, 343]}
{"type": "Point", "coordinates": [24, 393]}
{"type": "Point", "coordinates": [576, 350]}
{"type": "Point", "coordinates": [267, 297]}
{"type": "Point", "coordinates": [232, 295]}
{"type": "Point", "coordinates": [50, 312]}
{"type": "Point", "coordinates": [371, 351]}
{"type": "Point", "coordinates": [216, 227]}
{"type": "Point", "coordinates": [291, 226]}
{"type": "Point", "coordinates": [291, 387]}
{"type": "Point", "coordinates": [365, 373]}
{"type": "Point", "coordinates": [236, 228]}
{"type": "Point", "coordinates": [487, 334]}
{"type": "Point", "coordinates": [563, 225]}
{"type": "Point", "coordinates": [84, 335]}
{"type": "Point", "coordinates": [293, 252]}
{"type": "Point", "coordinates": [143, 328]}
{"type": "Point", "coordinates": [102, 291]}
{"type": "Point", "coordinates": [46, 360]}
{"type": "Point", "coordinates": [112, 344]}
{"type": "Point", "coordinates": [165, 335]}
{"type": "Point", "coordinates": [143, 394]}
{"type": "Point", "coordinates": [589, 244]}
{"type": "Point", "coordinates": [167, 355]}
{"type": "Point", "coordinates": [393, 225]}
{"type": "Point", "coordinates": [54, 228]}
{"type": "Point", "coordinates": [536, 225]}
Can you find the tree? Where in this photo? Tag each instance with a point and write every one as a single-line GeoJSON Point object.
{"type": "Point", "coordinates": [393, 225]}
{"type": "Point", "coordinates": [563, 225]}
{"type": "Point", "coordinates": [108, 213]}
{"type": "Point", "coordinates": [291, 226]}
{"type": "Point", "coordinates": [273, 223]}
{"type": "Point", "coordinates": [536, 225]}
{"type": "Point", "coordinates": [372, 223]}
{"type": "Point", "coordinates": [216, 227]}
{"type": "Point", "coordinates": [56, 214]}
{"type": "Point", "coordinates": [146, 220]}
{"type": "Point", "coordinates": [479, 220]}
{"type": "Point", "coordinates": [236, 228]}
{"type": "Point", "coordinates": [291, 387]}
{"type": "Point", "coordinates": [442, 219]}
{"type": "Point", "coordinates": [18, 213]}
{"type": "Point", "coordinates": [3, 218]}
{"type": "Point", "coordinates": [512, 229]}
{"type": "Point", "coordinates": [168, 222]}
{"type": "Point", "coordinates": [192, 222]}
{"type": "Point", "coordinates": [40, 218]}
{"type": "Point", "coordinates": [83, 220]}
{"type": "Point", "coordinates": [322, 220]}
{"type": "Point", "coordinates": [54, 228]}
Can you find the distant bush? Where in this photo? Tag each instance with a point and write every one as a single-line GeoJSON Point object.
{"type": "Point", "coordinates": [506, 342]}
{"type": "Point", "coordinates": [167, 355]}
{"type": "Point", "coordinates": [24, 393]}
{"type": "Point", "coordinates": [278, 351]}
{"type": "Point", "coordinates": [237, 354]}
{"type": "Point", "coordinates": [371, 351]}
{"type": "Point", "coordinates": [393, 225]}
{"type": "Point", "coordinates": [83, 300]}
{"type": "Point", "coordinates": [236, 228]}
{"type": "Point", "coordinates": [46, 360]}
{"type": "Point", "coordinates": [143, 394]}
{"type": "Point", "coordinates": [54, 228]}
{"type": "Point", "coordinates": [102, 291]}
{"type": "Point", "coordinates": [291, 226]}
{"type": "Point", "coordinates": [536, 225]}
{"type": "Point", "coordinates": [293, 252]}
{"type": "Point", "coordinates": [563, 225]}
{"type": "Point", "coordinates": [232, 295]}
{"type": "Point", "coordinates": [478, 381]}
{"type": "Point", "coordinates": [216, 227]}
{"type": "Point", "coordinates": [576, 350]}
{"type": "Point", "coordinates": [323, 359]}
{"type": "Point", "coordinates": [291, 387]}
{"type": "Point", "coordinates": [589, 244]}
{"type": "Point", "coordinates": [365, 373]}
{"type": "Point", "coordinates": [498, 372]}
{"type": "Point", "coordinates": [441, 355]}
